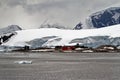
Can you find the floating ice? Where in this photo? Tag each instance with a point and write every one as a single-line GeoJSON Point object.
{"type": "Point", "coordinates": [23, 62]}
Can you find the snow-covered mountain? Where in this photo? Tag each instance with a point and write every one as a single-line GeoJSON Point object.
{"type": "Point", "coordinates": [104, 18]}
{"type": "Point", "coordinates": [8, 32]}
{"type": "Point", "coordinates": [9, 29]}
{"type": "Point", "coordinates": [53, 37]}
{"type": "Point", "coordinates": [58, 26]}
{"type": "Point", "coordinates": [78, 26]}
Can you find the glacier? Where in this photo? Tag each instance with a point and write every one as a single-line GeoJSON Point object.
{"type": "Point", "coordinates": [50, 37]}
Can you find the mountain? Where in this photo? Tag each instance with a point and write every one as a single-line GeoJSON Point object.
{"type": "Point", "coordinates": [9, 29]}
{"type": "Point", "coordinates": [58, 26]}
{"type": "Point", "coordinates": [8, 32]}
{"type": "Point", "coordinates": [104, 18]}
{"type": "Point", "coordinates": [49, 37]}
{"type": "Point", "coordinates": [78, 26]}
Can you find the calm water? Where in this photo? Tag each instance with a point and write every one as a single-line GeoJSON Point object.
{"type": "Point", "coordinates": [60, 66]}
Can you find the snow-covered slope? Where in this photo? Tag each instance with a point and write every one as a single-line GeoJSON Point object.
{"type": "Point", "coordinates": [9, 29]}
{"type": "Point", "coordinates": [52, 36]}
{"type": "Point", "coordinates": [8, 32]}
{"type": "Point", "coordinates": [107, 17]}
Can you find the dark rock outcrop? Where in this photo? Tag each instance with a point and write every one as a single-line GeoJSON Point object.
{"type": "Point", "coordinates": [107, 17]}
{"type": "Point", "coordinates": [78, 26]}
{"type": "Point", "coordinates": [8, 32]}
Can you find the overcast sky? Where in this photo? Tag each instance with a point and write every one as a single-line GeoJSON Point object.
{"type": "Point", "coordinates": [33, 13]}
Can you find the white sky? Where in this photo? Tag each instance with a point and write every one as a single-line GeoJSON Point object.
{"type": "Point", "coordinates": [33, 13]}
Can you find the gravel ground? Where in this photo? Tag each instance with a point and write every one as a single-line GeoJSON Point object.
{"type": "Point", "coordinates": [60, 66]}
